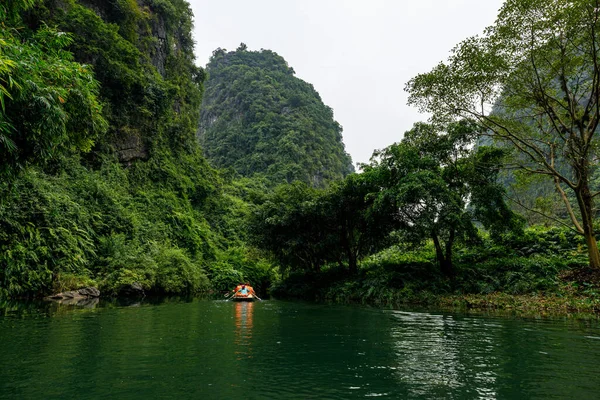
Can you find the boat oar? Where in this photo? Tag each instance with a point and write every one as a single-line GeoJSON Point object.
{"type": "Point", "coordinates": [257, 297]}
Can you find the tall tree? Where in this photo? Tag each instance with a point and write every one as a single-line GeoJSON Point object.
{"type": "Point", "coordinates": [305, 228]}
{"type": "Point", "coordinates": [290, 225]}
{"type": "Point", "coordinates": [539, 66]}
{"type": "Point", "coordinates": [439, 187]}
{"type": "Point", "coordinates": [358, 228]}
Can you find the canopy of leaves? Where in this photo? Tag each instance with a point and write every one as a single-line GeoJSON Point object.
{"type": "Point", "coordinates": [440, 187]}
{"type": "Point", "coordinates": [539, 65]}
{"type": "Point", "coordinates": [306, 228]}
{"type": "Point", "coordinates": [258, 118]}
{"type": "Point", "coordinates": [533, 82]}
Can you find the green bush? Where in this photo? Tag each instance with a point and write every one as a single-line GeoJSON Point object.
{"type": "Point", "coordinates": [177, 273]}
{"type": "Point", "coordinates": [43, 233]}
{"type": "Point", "coordinates": [241, 264]}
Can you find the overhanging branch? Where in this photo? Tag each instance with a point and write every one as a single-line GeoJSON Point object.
{"type": "Point", "coordinates": [551, 218]}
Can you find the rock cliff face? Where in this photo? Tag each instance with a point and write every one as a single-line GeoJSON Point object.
{"type": "Point", "coordinates": [142, 55]}
{"type": "Point", "coordinates": [130, 145]}
{"type": "Point", "coordinates": [155, 27]}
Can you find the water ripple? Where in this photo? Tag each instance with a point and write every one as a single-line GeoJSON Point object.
{"type": "Point", "coordinates": [217, 350]}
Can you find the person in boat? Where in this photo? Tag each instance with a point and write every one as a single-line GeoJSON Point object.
{"type": "Point", "coordinates": [250, 289]}
{"type": "Point", "coordinates": [238, 288]}
{"type": "Point", "coordinates": [243, 290]}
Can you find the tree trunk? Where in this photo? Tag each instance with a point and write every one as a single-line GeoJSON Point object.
{"type": "Point", "coordinates": [346, 237]}
{"type": "Point", "coordinates": [352, 263]}
{"type": "Point", "coordinates": [448, 268]}
{"type": "Point", "coordinates": [593, 253]}
{"type": "Point", "coordinates": [445, 260]}
{"type": "Point", "coordinates": [586, 206]}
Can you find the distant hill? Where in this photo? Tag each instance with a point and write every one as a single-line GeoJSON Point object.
{"type": "Point", "coordinates": [258, 118]}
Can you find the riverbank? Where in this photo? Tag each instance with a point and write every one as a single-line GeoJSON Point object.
{"type": "Point", "coordinates": [566, 301]}
{"type": "Point", "coordinates": [542, 271]}
{"type": "Point", "coordinates": [524, 304]}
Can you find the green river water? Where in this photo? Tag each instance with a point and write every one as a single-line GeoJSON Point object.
{"type": "Point", "coordinates": [206, 349]}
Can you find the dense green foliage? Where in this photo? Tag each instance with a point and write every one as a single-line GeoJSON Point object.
{"type": "Point", "coordinates": [103, 180]}
{"type": "Point", "coordinates": [143, 58]}
{"type": "Point", "coordinates": [440, 187]}
{"type": "Point", "coordinates": [258, 118]}
{"type": "Point", "coordinates": [306, 228]}
{"type": "Point", "coordinates": [49, 103]}
{"type": "Point", "coordinates": [436, 198]}
{"type": "Point", "coordinates": [431, 186]}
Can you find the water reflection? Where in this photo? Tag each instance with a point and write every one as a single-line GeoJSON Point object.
{"type": "Point", "coordinates": [243, 328]}
{"type": "Point", "coordinates": [436, 355]}
{"type": "Point", "coordinates": [175, 348]}
{"type": "Point", "coordinates": [45, 308]}
{"type": "Point", "coordinates": [91, 302]}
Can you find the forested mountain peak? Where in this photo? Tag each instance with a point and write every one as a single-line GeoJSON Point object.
{"type": "Point", "coordinates": [259, 118]}
{"type": "Point", "coordinates": [265, 59]}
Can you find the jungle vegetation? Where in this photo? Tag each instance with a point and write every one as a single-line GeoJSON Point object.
{"type": "Point", "coordinates": [124, 163]}
{"type": "Point", "coordinates": [514, 111]}
{"type": "Point", "coordinates": [103, 181]}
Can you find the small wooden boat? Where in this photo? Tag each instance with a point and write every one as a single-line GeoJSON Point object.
{"type": "Point", "coordinates": [243, 297]}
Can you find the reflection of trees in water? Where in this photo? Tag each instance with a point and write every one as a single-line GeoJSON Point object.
{"type": "Point", "coordinates": [243, 329]}
{"type": "Point", "coordinates": [439, 355]}
{"type": "Point", "coordinates": [21, 309]}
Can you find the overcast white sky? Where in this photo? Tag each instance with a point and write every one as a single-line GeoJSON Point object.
{"type": "Point", "coordinates": [357, 54]}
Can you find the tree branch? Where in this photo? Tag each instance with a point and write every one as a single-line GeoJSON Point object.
{"type": "Point", "coordinates": [543, 95]}
{"type": "Point", "coordinates": [565, 199]}
{"type": "Point", "coordinates": [522, 144]}
{"type": "Point", "coordinates": [542, 214]}
{"type": "Point", "coordinates": [595, 92]}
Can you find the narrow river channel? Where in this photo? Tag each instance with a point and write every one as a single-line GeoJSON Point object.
{"type": "Point", "coordinates": [203, 349]}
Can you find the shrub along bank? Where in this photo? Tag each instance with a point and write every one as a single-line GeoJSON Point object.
{"type": "Point", "coordinates": [544, 269]}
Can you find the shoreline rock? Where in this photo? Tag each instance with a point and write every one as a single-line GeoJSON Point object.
{"type": "Point", "coordinates": [135, 290]}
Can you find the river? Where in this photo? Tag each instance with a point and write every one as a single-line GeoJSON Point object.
{"type": "Point", "coordinates": [206, 349]}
